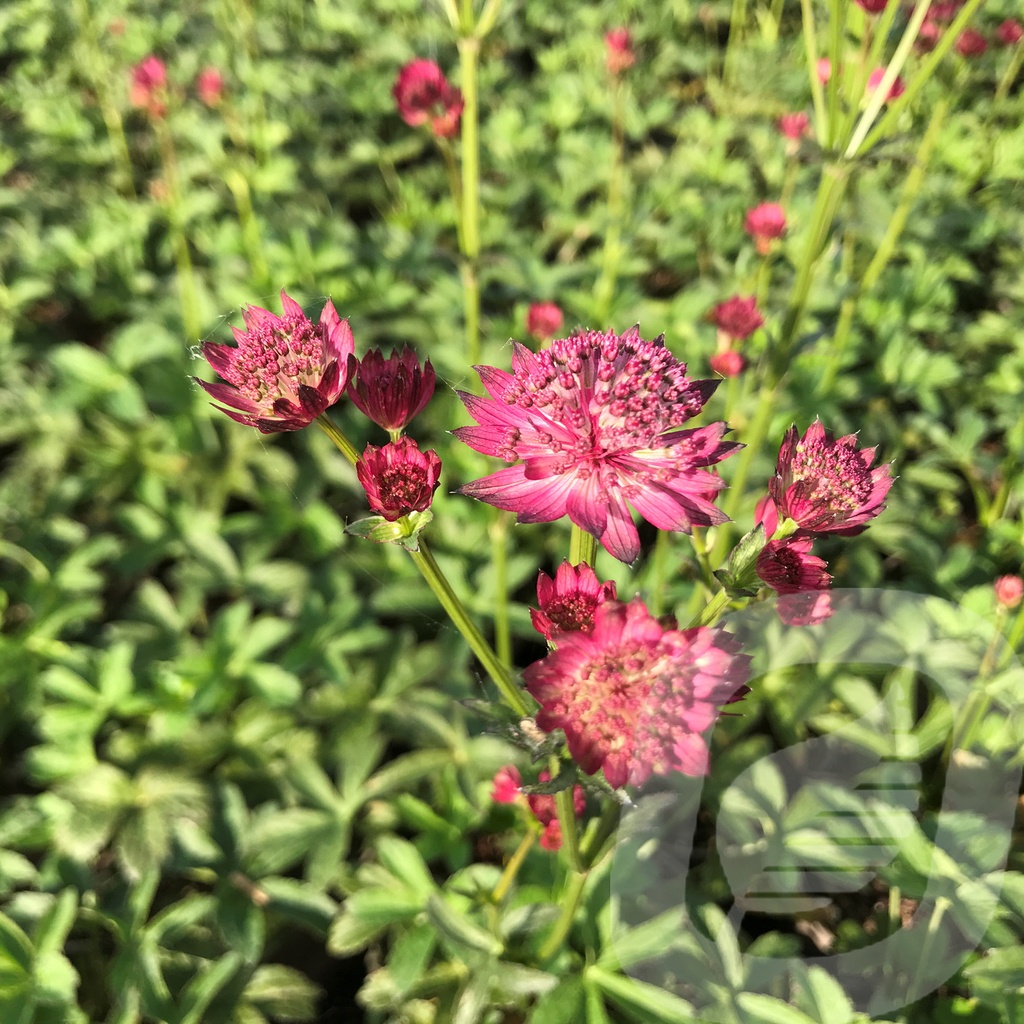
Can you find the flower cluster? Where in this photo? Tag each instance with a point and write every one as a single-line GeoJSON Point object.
{"type": "Point", "coordinates": [821, 485]}
{"type": "Point", "coordinates": [423, 94]}
{"type": "Point", "coordinates": [508, 789]}
{"type": "Point", "coordinates": [634, 694]}
{"type": "Point", "coordinates": [594, 423]}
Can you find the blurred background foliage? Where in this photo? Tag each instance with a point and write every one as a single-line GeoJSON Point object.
{"type": "Point", "coordinates": [218, 713]}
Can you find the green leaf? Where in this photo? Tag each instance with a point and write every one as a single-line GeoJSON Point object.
{"type": "Point", "coordinates": [464, 934]}
{"type": "Point", "coordinates": [403, 860]}
{"type": "Point", "coordinates": [647, 941]}
{"type": "Point", "coordinates": [367, 914]}
{"type": "Point", "coordinates": [277, 838]}
{"type": "Point", "coordinates": [409, 957]}
{"type": "Point", "coordinates": [761, 1009]}
{"type": "Point", "coordinates": [562, 1005]}
{"type": "Point", "coordinates": [283, 993]}
{"type": "Point", "coordinates": [646, 1002]}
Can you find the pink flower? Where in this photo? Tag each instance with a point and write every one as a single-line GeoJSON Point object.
{"type": "Point", "coordinates": [970, 43]}
{"type": "Point", "coordinates": [793, 125]}
{"type": "Point", "coordinates": [1009, 591]}
{"type": "Point", "coordinates": [568, 602]}
{"type": "Point", "coordinates": [507, 785]}
{"type": "Point", "coordinates": [824, 70]}
{"type": "Point", "coordinates": [619, 53]}
{"type": "Point", "coordinates": [545, 810]}
{"type": "Point", "coordinates": [398, 478]}
{"type": "Point", "coordinates": [928, 36]}
{"type": "Point", "coordinates": [149, 86]}
{"type": "Point", "coordinates": [810, 608]}
{"type": "Point", "coordinates": [594, 423]}
{"type": "Point", "coordinates": [634, 696]}
{"type": "Point", "coordinates": [873, 6]}
{"type": "Point", "coordinates": [1010, 32]}
{"type": "Point", "coordinates": [827, 486]}
{"type": "Point", "coordinates": [765, 223]}
{"type": "Point", "coordinates": [391, 391]}
{"type": "Point", "coordinates": [210, 86]}
{"type": "Point", "coordinates": [543, 320]}
{"type": "Point", "coordinates": [896, 90]}
{"type": "Point", "coordinates": [737, 318]}
{"type": "Point", "coordinates": [423, 93]}
{"type": "Point", "coordinates": [788, 566]}
{"type": "Point", "coordinates": [285, 371]}
{"type": "Point", "coordinates": [728, 363]}
{"type": "Point", "coordinates": [766, 515]}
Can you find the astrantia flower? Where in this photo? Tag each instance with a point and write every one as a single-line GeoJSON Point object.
{"type": "Point", "coordinates": [1010, 32]}
{"type": "Point", "coordinates": [971, 43]}
{"type": "Point", "coordinates": [148, 86]}
{"type": "Point", "coordinates": [635, 697]}
{"type": "Point", "coordinates": [285, 370]}
{"type": "Point", "coordinates": [809, 608]}
{"type": "Point", "coordinates": [823, 69]}
{"type": "Point", "coordinates": [619, 53]}
{"type": "Point", "coordinates": [507, 785]}
{"type": "Point", "coordinates": [543, 320]}
{"type": "Point", "coordinates": [896, 90]}
{"type": "Point", "coordinates": [210, 86]}
{"type": "Point", "coordinates": [793, 125]}
{"type": "Point", "coordinates": [392, 391]}
{"type": "Point", "coordinates": [788, 566]}
{"type": "Point", "coordinates": [1009, 591]}
{"type": "Point", "coordinates": [568, 601]}
{"type": "Point", "coordinates": [594, 422]}
{"type": "Point", "coordinates": [728, 363]}
{"type": "Point", "coordinates": [737, 318]}
{"type": "Point", "coordinates": [765, 223]}
{"type": "Point", "coordinates": [927, 36]}
{"type": "Point", "coordinates": [398, 478]}
{"type": "Point", "coordinates": [827, 486]}
{"type": "Point", "coordinates": [422, 93]}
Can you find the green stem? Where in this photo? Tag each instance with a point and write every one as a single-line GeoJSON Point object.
{"type": "Point", "coordinates": [567, 821]}
{"type": "Point", "coordinates": [811, 55]}
{"type": "Point", "coordinates": [469, 51]}
{"type": "Point", "coordinates": [658, 573]}
{"type": "Point", "coordinates": [438, 583]}
{"type": "Point", "coordinates": [737, 23]}
{"type": "Point", "coordinates": [606, 826]}
{"type": "Point", "coordinates": [604, 291]}
{"type": "Point", "coordinates": [250, 228]}
{"type": "Point", "coordinates": [712, 610]}
{"type": "Point", "coordinates": [508, 876]}
{"type": "Point", "coordinates": [582, 546]}
{"type": "Point", "coordinates": [341, 442]}
{"type": "Point", "coordinates": [1010, 75]}
{"type": "Point", "coordinates": [570, 904]}
{"type": "Point", "coordinates": [499, 555]}
{"type": "Point", "coordinates": [454, 186]}
{"type": "Point", "coordinates": [701, 551]}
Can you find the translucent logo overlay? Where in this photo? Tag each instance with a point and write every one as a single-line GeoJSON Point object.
{"type": "Point", "coordinates": [858, 850]}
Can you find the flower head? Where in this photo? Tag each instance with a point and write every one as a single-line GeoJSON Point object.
{"type": "Point", "coordinates": [728, 363]}
{"type": "Point", "coordinates": [1009, 591]}
{"type": "Point", "coordinates": [765, 223]}
{"type": "Point", "coordinates": [927, 36]}
{"type": "Point", "coordinates": [737, 318]}
{"type": "Point", "coordinates": [634, 696]}
{"type": "Point", "coordinates": [210, 86]}
{"type": "Point", "coordinates": [873, 6]}
{"type": "Point", "coordinates": [423, 94]}
{"type": "Point", "coordinates": [507, 785]}
{"type": "Point", "coordinates": [392, 391]}
{"type": "Point", "coordinates": [618, 51]}
{"type": "Point", "coordinates": [827, 486]}
{"type": "Point", "coordinates": [971, 43]}
{"type": "Point", "coordinates": [568, 601]}
{"type": "Point", "coordinates": [149, 86]}
{"type": "Point", "coordinates": [1010, 32]}
{"type": "Point", "coordinates": [793, 125]}
{"type": "Point", "coordinates": [896, 90]}
{"type": "Point", "coordinates": [285, 370]}
{"type": "Point", "coordinates": [594, 424]}
{"type": "Point", "coordinates": [808, 608]}
{"type": "Point", "coordinates": [398, 478]}
{"type": "Point", "coordinates": [823, 69]}
{"type": "Point", "coordinates": [543, 320]}
{"type": "Point", "coordinates": [788, 566]}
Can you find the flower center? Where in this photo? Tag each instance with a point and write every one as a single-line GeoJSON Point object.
{"type": "Point", "coordinates": [275, 358]}
{"type": "Point", "coordinates": [831, 476]}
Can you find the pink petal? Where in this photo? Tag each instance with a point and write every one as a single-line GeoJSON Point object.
{"type": "Point", "coordinates": [289, 306]}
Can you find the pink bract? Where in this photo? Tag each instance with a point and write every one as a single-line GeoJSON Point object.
{"type": "Point", "coordinates": [793, 125]}
{"type": "Point", "coordinates": [507, 785]}
{"type": "Point", "coordinates": [568, 601]}
{"type": "Point", "coordinates": [633, 696]}
{"type": "Point", "coordinates": [737, 317]}
{"type": "Point", "coordinates": [810, 608]}
{"type": "Point", "coordinates": [729, 363]}
{"type": "Point", "coordinates": [872, 6]}
{"type": "Point", "coordinates": [391, 391]}
{"type": "Point", "coordinates": [148, 86]}
{"type": "Point", "coordinates": [1010, 32]}
{"type": "Point", "coordinates": [788, 566]}
{"type": "Point", "coordinates": [210, 86]}
{"type": "Point", "coordinates": [619, 55]}
{"type": "Point", "coordinates": [826, 485]}
{"type": "Point", "coordinates": [543, 320]}
{"type": "Point", "coordinates": [423, 93]}
{"type": "Point", "coordinates": [594, 423]}
{"type": "Point", "coordinates": [1009, 591]}
{"type": "Point", "coordinates": [398, 478]}
{"type": "Point", "coordinates": [285, 370]}
{"type": "Point", "coordinates": [971, 43]}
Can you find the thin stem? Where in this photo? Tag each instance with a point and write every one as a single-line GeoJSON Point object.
{"type": "Point", "coordinates": [1010, 75]}
{"type": "Point", "coordinates": [658, 575]}
{"type": "Point", "coordinates": [454, 186]}
{"type": "Point", "coordinates": [567, 822]}
{"type": "Point", "coordinates": [811, 55]}
{"type": "Point", "coordinates": [606, 826]}
{"type": "Point", "coordinates": [701, 551]}
{"type": "Point", "coordinates": [499, 556]}
{"type": "Point", "coordinates": [582, 546]}
{"type": "Point", "coordinates": [712, 610]}
{"type": "Point", "coordinates": [570, 904]}
{"type": "Point", "coordinates": [469, 50]}
{"type": "Point", "coordinates": [604, 291]}
{"type": "Point", "coordinates": [737, 23]}
{"type": "Point", "coordinates": [515, 862]}
{"type": "Point", "coordinates": [438, 583]}
{"type": "Point", "coordinates": [341, 442]}
{"type": "Point", "coordinates": [250, 228]}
